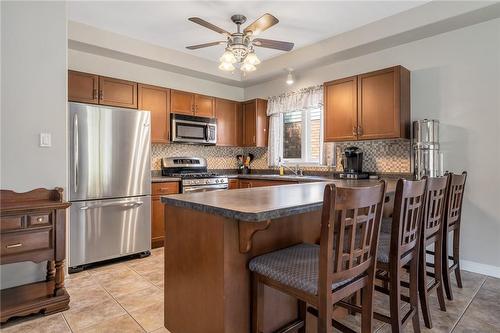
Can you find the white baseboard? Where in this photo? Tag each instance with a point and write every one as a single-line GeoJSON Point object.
{"type": "Point", "coordinates": [476, 267]}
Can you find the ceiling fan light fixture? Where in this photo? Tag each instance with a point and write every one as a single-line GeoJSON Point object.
{"type": "Point", "coordinates": [290, 79]}
{"type": "Point", "coordinates": [246, 67]}
{"type": "Point", "coordinates": [252, 59]}
{"type": "Point", "coordinates": [228, 57]}
{"type": "Point", "coordinates": [226, 66]}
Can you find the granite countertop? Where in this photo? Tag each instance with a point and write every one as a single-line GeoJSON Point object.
{"type": "Point", "coordinates": [263, 203]}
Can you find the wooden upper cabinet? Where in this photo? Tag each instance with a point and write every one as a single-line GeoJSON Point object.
{"type": "Point", "coordinates": [255, 123]}
{"type": "Point", "coordinates": [181, 102]}
{"type": "Point", "coordinates": [157, 101]}
{"type": "Point", "coordinates": [384, 104]}
{"type": "Point", "coordinates": [204, 106]}
{"type": "Point", "coordinates": [369, 106]}
{"type": "Point", "coordinates": [192, 104]}
{"type": "Point", "coordinates": [228, 115]}
{"type": "Point", "coordinates": [262, 123]}
{"type": "Point", "coordinates": [249, 112]}
{"type": "Point", "coordinates": [117, 92]}
{"type": "Point", "coordinates": [340, 109]}
{"type": "Point", "coordinates": [83, 87]}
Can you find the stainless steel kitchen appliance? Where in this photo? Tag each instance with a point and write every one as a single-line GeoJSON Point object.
{"type": "Point", "coordinates": [193, 130]}
{"type": "Point", "coordinates": [428, 160]}
{"type": "Point", "coordinates": [193, 173]}
{"type": "Point", "coordinates": [110, 183]}
{"type": "Point", "coordinates": [352, 162]}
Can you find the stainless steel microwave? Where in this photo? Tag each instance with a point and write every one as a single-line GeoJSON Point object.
{"type": "Point", "coordinates": [194, 130]}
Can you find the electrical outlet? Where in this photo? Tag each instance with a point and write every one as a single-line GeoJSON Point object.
{"type": "Point", "coordinates": [45, 140]}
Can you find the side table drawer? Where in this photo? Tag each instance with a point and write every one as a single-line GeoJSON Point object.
{"type": "Point", "coordinates": [8, 223]}
{"type": "Point", "coordinates": [39, 219]}
{"type": "Point", "coordinates": [19, 242]}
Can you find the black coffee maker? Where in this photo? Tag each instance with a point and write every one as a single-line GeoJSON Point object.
{"type": "Point", "coordinates": [352, 163]}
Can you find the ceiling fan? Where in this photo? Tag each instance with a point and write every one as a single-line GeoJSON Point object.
{"type": "Point", "coordinates": [240, 44]}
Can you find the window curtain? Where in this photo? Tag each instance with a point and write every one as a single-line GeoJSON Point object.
{"type": "Point", "coordinates": [300, 100]}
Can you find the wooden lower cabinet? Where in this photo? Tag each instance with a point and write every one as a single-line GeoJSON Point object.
{"type": "Point", "coordinates": [233, 184]}
{"type": "Point", "coordinates": [158, 211]}
{"type": "Point", "coordinates": [157, 101]}
{"type": "Point", "coordinates": [249, 183]}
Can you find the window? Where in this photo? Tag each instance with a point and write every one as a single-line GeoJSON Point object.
{"type": "Point", "coordinates": [303, 136]}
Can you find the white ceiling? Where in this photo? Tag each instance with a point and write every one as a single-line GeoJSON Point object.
{"type": "Point", "coordinates": [165, 23]}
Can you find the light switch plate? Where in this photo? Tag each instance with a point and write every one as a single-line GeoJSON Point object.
{"type": "Point", "coordinates": [45, 140]}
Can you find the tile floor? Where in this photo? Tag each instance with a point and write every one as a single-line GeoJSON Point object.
{"type": "Point", "coordinates": [128, 297]}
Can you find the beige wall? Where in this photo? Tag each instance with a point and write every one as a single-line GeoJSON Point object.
{"type": "Point", "coordinates": [33, 100]}
{"type": "Point", "coordinates": [455, 77]}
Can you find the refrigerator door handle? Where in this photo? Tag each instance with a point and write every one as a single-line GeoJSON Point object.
{"type": "Point", "coordinates": [75, 152]}
{"type": "Point", "coordinates": [124, 204]}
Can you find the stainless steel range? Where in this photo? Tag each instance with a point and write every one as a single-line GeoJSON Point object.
{"type": "Point", "coordinates": [194, 174]}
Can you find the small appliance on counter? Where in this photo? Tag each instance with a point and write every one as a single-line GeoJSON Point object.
{"type": "Point", "coordinates": [193, 173]}
{"type": "Point", "coordinates": [352, 162]}
{"type": "Point", "coordinates": [428, 159]}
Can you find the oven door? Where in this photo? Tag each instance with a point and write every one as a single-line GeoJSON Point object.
{"type": "Point", "coordinates": [189, 131]}
{"type": "Point", "coordinates": [203, 188]}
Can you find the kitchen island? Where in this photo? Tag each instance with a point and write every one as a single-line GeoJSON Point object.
{"type": "Point", "coordinates": [211, 236]}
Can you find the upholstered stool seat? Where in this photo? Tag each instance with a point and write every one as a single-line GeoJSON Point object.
{"type": "Point", "coordinates": [296, 266]}
{"type": "Point", "coordinates": [384, 247]}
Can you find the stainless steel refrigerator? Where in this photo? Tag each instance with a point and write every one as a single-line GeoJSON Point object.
{"type": "Point", "coordinates": [110, 183]}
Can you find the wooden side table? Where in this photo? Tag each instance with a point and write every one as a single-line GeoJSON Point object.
{"type": "Point", "coordinates": [33, 228]}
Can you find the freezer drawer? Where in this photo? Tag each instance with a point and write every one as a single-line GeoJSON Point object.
{"type": "Point", "coordinates": [106, 229]}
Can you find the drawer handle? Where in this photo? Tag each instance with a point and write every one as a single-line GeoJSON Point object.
{"type": "Point", "coordinates": [10, 246]}
{"type": "Point", "coordinates": [39, 219]}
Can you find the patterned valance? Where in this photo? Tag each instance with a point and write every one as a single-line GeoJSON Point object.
{"type": "Point", "coordinates": [300, 100]}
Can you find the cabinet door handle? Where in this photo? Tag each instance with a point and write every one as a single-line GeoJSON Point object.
{"type": "Point", "coordinates": [10, 246]}
{"type": "Point", "coordinates": [360, 130]}
{"type": "Point", "coordinates": [94, 94]}
{"type": "Point", "coordinates": [354, 131]}
{"type": "Point", "coordinates": [101, 94]}
{"type": "Point", "coordinates": [253, 139]}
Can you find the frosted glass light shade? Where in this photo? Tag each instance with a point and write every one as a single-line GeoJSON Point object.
{"type": "Point", "coordinates": [226, 66]}
{"type": "Point", "coordinates": [228, 57]}
{"type": "Point", "coordinates": [246, 67]}
{"type": "Point", "coordinates": [252, 59]}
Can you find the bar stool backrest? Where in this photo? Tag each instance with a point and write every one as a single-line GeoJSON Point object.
{"type": "Point", "coordinates": [406, 220]}
{"type": "Point", "coordinates": [350, 226]}
{"type": "Point", "coordinates": [434, 208]}
{"type": "Point", "coordinates": [454, 199]}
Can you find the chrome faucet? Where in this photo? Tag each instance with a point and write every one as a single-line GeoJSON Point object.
{"type": "Point", "coordinates": [297, 171]}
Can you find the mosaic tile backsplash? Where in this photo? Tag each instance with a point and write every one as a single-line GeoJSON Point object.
{"type": "Point", "coordinates": [381, 156]}
{"type": "Point", "coordinates": [217, 157]}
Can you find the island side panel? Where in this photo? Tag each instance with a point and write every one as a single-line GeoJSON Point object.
{"type": "Point", "coordinates": [194, 277]}
{"type": "Point", "coordinates": [279, 308]}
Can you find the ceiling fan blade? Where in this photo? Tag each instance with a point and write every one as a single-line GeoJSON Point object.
{"type": "Point", "coordinates": [208, 25]}
{"type": "Point", "coordinates": [273, 44]}
{"type": "Point", "coordinates": [262, 23]}
{"type": "Point", "coordinates": [199, 46]}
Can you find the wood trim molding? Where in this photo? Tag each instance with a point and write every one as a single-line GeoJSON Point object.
{"type": "Point", "coordinates": [247, 230]}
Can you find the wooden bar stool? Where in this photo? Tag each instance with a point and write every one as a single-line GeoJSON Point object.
{"type": "Point", "coordinates": [321, 275]}
{"type": "Point", "coordinates": [432, 234]}
{"type": "Point", "coordinates": [400, 249]}
{"type": "Point", "coordinates": [453, 215]}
